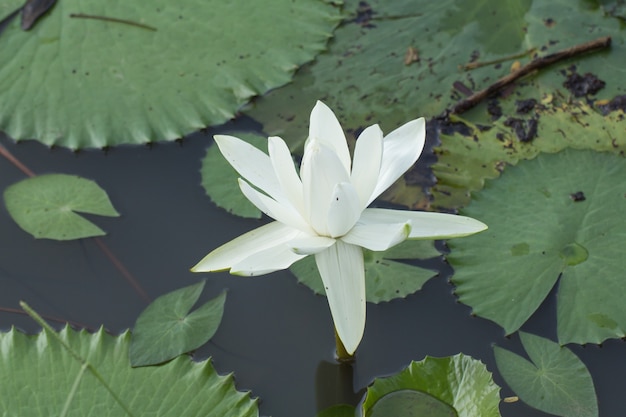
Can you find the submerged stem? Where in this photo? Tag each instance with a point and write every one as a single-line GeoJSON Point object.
{"type": "Point", "coordinates": [342, 354]}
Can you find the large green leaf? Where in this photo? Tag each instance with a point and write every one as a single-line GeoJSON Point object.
{"type": "Point", "coordinates": [409, 403]}
{"type": "Point", "coordinates": [385, 279]}
{"type": "Point", "coordinates": [458, 382]}
{"type": "Point", "coordinates": [391, 62]}
{"type": "Point", "coordinates": [168, 328]}
{"type": "Point", "coordinates": [364, 77]}
{"type": "Point", "coordinates": [615, 8]}
{"type": "Point", "coordinates": [41, 378]}
{"type": "Point", "coordinates": [560, 215]}
{"type": "Point", "coordinates": [367, 78]}
{"type": "Point", "coordinates": [554, 380]}
{"type": "Point", "coordinates": [469, 155]}
{"type": "Point", "coordinates": [80, 82]}
{"type": "Point", "coordinates": [45, 206]}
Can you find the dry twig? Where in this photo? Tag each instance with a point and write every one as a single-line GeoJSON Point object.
{"type": "Point", "coordinates": [533, 65]}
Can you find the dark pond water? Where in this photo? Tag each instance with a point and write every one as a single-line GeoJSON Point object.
{"type": "Point", "coordinates": [276, 335]}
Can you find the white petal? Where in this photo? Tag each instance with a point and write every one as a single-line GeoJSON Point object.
{"type": "Point", "coordinates": [251, 163]}
{"type": "Point", "coordinates": [401, 148]}
{"type": "Point", "coordinates": [325, 128]}
{"type": "Point", "coordinates": [378, 236]}
{"type": "Point", "coordinates": [285, 171]}
{"type": "Point", "coordinates": [310, 245]}
{"type": "Point", "coordinates": [321, 171]}
{"type": "Point", "coordinates": [366, 166]}
{"type": "Point", "coordinates": [272, 236]}
{"type": "Point", "coordinates": [426, 225]}
{"type": "Point", "coordinates": [283, 213]}
{"type": "Point", "coordinates": [344, 210]}
{"type": "Point", "coordinates": [343, 274]}
{"type": "Point", "coordinates": [266, 261]}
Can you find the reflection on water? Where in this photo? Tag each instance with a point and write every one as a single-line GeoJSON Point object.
{"type": "Point", "coordinates": [334, 384]}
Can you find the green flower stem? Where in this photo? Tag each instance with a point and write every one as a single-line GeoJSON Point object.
{"type": "Point", "coordinates": [342, 353]}
{"type": "Point", "coordinates": [35, 316]}
{"type": "Point", "coordinates": [70, 396]}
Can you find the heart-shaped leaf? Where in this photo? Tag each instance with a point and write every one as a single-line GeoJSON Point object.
{"type": "Point", "coordinates": [554, 380]}
{"type": "Point", "coordinates": [167, 328]}
{"type": "Point", "coordinates": [45, 206]}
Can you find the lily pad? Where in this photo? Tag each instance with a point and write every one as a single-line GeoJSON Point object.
{"type": "Point", "coordinates": [45, 206]}
{"type": "Point", "coordinates": [219, 179]}
{"type": "Point", "coordinates": [457, 384]}
{"type": "Point", "coordinates": [96, 81]}
{"type": "Point", "coordinates": [468, 155]}
{"type": "Point", "coordinates": [366, 77]}
{"type": "Point", "coordinates": [554, 380]}
{"type": "Point", "coordinates": [167, 328]}
{"type": "Point", "coordinates": [394, 61]}
{"type": "Point", "coordinates": [385, 278]}
{"type": "Point", "coordinates": [615, 8]}
{"type": "Point", "coordinates": [409, 403]}
{"type": "Point", "coordinates": [391, 62]}
{"type": "Point", "coordinates": [558, 218]}
{"type": "Point", "coordinates": [41, 378]}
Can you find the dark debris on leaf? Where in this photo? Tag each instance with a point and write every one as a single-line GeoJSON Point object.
{"type": "Point", "coordinates": [33, 10]}
{"type": "Point", "coordinates": [525, 106]}
{"type": "Point", "coordinates": [525, 130]}
{"type": "Point", "coordinates": [364, 15]}
{"type": "Point", "coordinates": [582, 85]}
{"type": "Point", "coordinates": [618, 103]}
{"type": "Point", "coordinates": [450, 128]}
{"type": "Point", "coordinates": [421, 174]}
{"type": "Point", "coordinates": [577, 196]}
{"type": "Point", "coordinates": [462, 88]}
{"type": "Point", "coordinates": [494, 109]}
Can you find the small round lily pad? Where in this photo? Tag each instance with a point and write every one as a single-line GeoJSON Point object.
{"type": "Point", "coordinates": [456, 385]}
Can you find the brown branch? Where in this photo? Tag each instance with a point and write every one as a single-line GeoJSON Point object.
{"type": "Point", "coordinates": [113, 19]}
{"type": "Point", "coordinates": [478, 64]}
{"type": "Point", "coordinates": [18, 164]}
{"type": "Point", "coordinates": [120, 267]}
{"type": "Point", "coordinates": [533, 65]}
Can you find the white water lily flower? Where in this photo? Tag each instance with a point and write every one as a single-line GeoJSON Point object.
{"type": "Point", "coordinates": [323, 212]}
